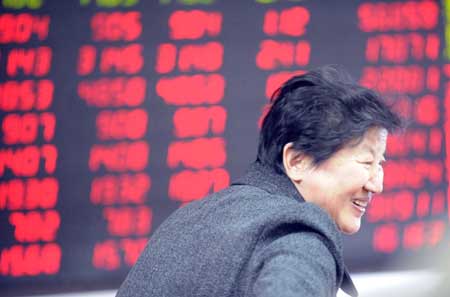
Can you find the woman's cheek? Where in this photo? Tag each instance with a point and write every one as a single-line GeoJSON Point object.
{"type": "Point", "coordinates": [362, 172]}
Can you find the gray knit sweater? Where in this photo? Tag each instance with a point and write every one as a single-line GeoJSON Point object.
{"type": "Point", "coordinates": [256, 238]}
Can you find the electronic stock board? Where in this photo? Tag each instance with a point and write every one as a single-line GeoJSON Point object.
{"type": "Point", "coordinates": [114, 113]}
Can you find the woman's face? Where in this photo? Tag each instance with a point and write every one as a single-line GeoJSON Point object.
{"type": "Point", "coordinates": [343, 185]}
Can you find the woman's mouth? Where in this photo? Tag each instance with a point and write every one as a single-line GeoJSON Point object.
{"type": "Point", "coordinates": [361, 205]}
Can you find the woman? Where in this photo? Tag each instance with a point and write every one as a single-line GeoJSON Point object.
{"type": "Point", "coordinates": [277, 230]}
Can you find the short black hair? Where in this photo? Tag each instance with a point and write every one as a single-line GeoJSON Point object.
{"type": "Point", "coordinates": [320, 112]}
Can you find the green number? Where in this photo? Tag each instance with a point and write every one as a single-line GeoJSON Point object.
{"type": "Point", "coordinates": [447, 39]}
{"type": "Point", "coordinates": [266, 1]}
{"type": "Point", "coordinates": [34, 4]}
{"type": "Point", "coordinates": [194, 2]}
{"type": "Point", "coordinates": [115, 3]}
{"type": "Point", "coordinates": [128, 3]}
{"type": "Point", "coordinates": [18, 4]}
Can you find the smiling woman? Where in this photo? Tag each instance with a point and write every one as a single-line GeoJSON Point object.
{"type": "Point", "coordinates": [277, 230]}
{"type": "Point", "coordinates": [330, 137]}
{"type": "Point", "coordinates": [343, 184]}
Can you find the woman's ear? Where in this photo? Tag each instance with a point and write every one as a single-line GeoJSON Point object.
{"type": "Point", "coordinates": [295, 163]}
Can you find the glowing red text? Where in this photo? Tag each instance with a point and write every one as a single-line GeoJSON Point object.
{"type": "Point", "coordinates": [116, 26]}
{"type": "Point", "coordinates": [30, 260]}
{"type": "Point", "coordinates": [26, 95]}
{"type": "Point", "coordinates": [121, 124]}
{"type": "Point", "coordinates": [398, 48]}
{"type": "Point", "coordinates": [409, 15]}
{"type": "Point", "coordinates": [290, 21]}
{"type": "Point", "coordinates": [194, 24]}
{"type": "Point", "coordinates": [197, 122]}
{"type": "Point", "coordinates": [32, 61]}
{"type": "Point", "coordinates": [113, 92]}
{"type": "Point", "coordinates": [274, 54]}
{"type": "Point", "coordinates": [20, 28]}
{"type": "Point", "coordinates": [194, 90]}
{"type": "Point", "coordinates": [35, 225]}
{"type": "Point", "coordinates": [198, 154]}
{"type": "Point", "coordinates": [126, 221]}
{"type": "Point", "coordinates": [121, 156]}
{"type": "Point", "coordinates": [23, 128]}
{"type": "Point", "coordinates": [120, 189]}
{"type": "Point", "coordinates": [204, 57]}
{"type": "Point", "coordinates": [32, 193]}
{"type": "Point", "coordinates": [26, 161]}
{"type": "Point", "coordinates": [126, 59]}
{"type": "Point", "coordinates": [190, 185]}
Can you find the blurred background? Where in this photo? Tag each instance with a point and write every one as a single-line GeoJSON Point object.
{"type": "Point", "coordinates": [114, 113]}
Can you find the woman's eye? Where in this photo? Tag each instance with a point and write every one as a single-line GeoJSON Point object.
{"type": "Point", "coordinates": [365, 165]}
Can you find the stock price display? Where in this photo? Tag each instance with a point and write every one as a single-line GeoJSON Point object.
{"type": "Point", "coordinates": [114, 113]}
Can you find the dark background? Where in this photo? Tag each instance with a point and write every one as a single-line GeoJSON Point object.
{"type": "Point", "coordinates": [335, 38]}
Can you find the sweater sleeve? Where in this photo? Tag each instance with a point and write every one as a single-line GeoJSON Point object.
{"type": "Point", "coordinates": [297, 264]}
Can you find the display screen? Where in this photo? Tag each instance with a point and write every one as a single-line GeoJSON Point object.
{"type": "Point", "coordinates": [114, 113]}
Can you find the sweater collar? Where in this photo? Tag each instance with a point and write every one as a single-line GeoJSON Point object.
{"type": "Point", "coordinates": [266, 178]}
